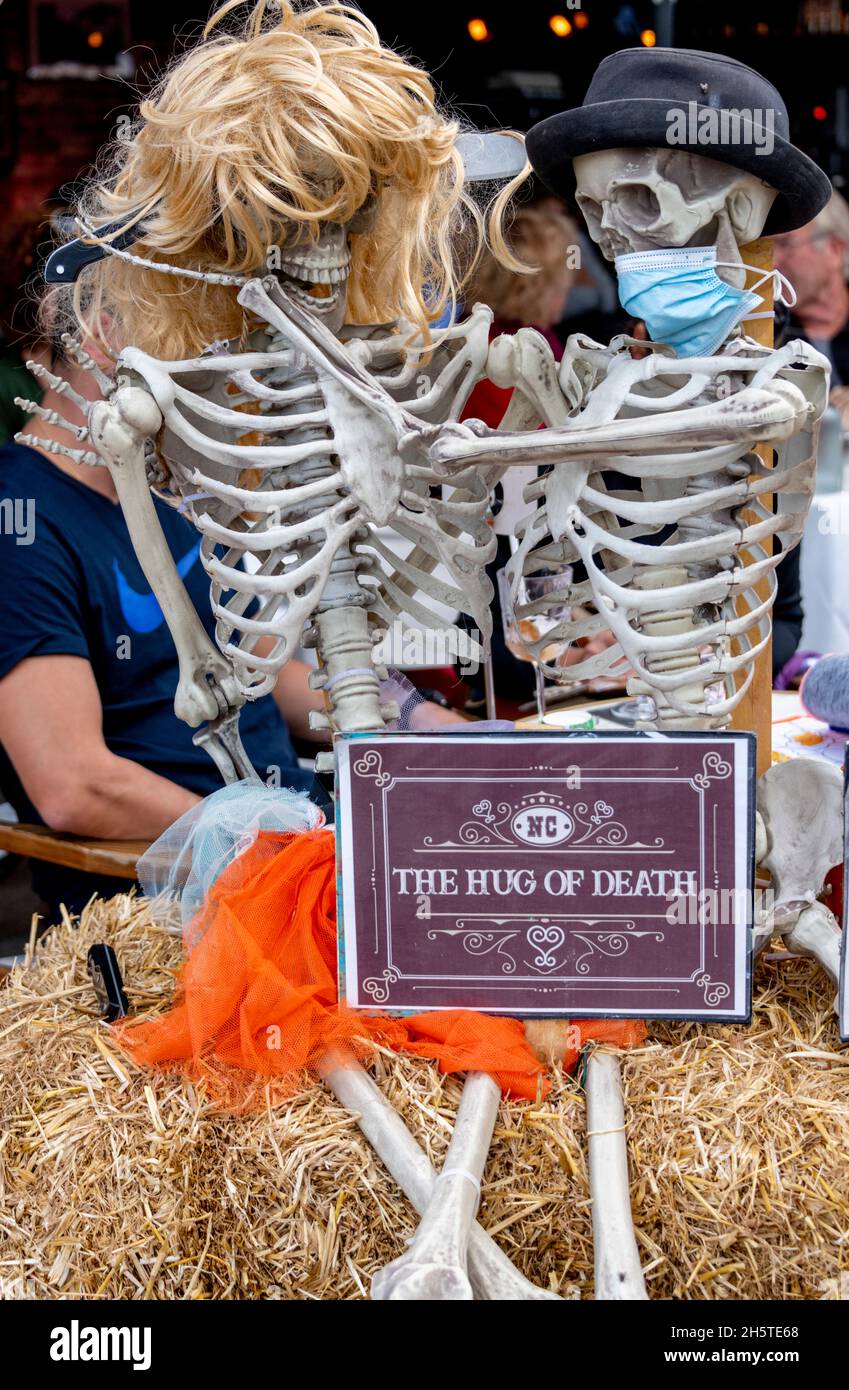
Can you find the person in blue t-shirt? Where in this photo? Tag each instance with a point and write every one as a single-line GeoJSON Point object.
{"type": "Point", "coordinates": [89, 741]}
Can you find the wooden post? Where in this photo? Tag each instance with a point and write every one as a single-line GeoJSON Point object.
{"type": "Point", "coordinates": [755, 709]}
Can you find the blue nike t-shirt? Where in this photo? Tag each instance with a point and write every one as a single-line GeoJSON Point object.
{"type": "Point", "coordinates": [73, 586]}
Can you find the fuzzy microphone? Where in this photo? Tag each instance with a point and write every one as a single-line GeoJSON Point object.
{"type": "Point", "coordinates": [824, 691]}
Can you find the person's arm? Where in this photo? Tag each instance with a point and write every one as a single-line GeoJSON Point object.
{"type": "Point", "coordinates": [294, 700]}
{"type": "Point", "coordinates": [51, 728]}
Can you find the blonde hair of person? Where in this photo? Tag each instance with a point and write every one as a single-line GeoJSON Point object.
{"type": "Point", "coordinates": [256, 136]}
{"type": "Point", "coordinates": [542, 240]}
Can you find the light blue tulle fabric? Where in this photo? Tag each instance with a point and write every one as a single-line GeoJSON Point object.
{"type": "Point", "coordinates": [188, 857]}
{"type": "Point", "coordinates": [183, 864]}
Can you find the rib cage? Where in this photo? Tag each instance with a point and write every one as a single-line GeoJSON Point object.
{"type": "Point", "coordinates": [278, 463]}
{"type": "Point", "coordinates": [686, 613]}
{"type": "Point", "coordinates": [338, 447]}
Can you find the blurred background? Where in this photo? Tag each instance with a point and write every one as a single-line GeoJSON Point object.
{"type": "Point", "coordinates": [70, 68]}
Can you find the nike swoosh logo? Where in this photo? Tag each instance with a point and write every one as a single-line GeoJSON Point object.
{"type": "Point", "coordinates": [141, 612]}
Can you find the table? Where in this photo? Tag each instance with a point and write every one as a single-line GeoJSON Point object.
{"type": "Point", "coordinates": [795, 734]}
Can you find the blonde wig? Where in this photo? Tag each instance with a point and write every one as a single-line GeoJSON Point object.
{"type": "Point", "coordinates": [543, 241]}
{"type": "Point", "coordinates": [253, 139]}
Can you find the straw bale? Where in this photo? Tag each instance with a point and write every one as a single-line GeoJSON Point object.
{"type": "Point", "coordinates": [117, 1183]}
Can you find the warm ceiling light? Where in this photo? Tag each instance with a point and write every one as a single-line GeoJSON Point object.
{"type": "Point", "coordinates": [478, 30]}
{"type": "Point", "coordinates": [94, 39]}
{"type": "Point", "coordinates": [648, 38]}
{"type": "Point", "coordinates": [581, 20]}
{"type": "Point", "coordinates": [762, 28]}
{"type": "Point", "coordinates": [559, 25]}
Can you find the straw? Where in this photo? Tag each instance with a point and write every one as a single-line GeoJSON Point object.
{"type": "Point", "coordinates": [117, 1183]}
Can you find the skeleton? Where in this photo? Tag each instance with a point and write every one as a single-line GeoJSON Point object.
{"type": "Point", "coordinates": [333, 454]}
{"type": "Point", "coordinates": [691, 627]}
{"type": "Point", "coordinates": [346, 436]}
{"type": "Point", "coordinates": [798, 852]}
{"type": "Point", "coordinates": [675, 623]}
{"type": "Point", "coordinates": [325, 471]}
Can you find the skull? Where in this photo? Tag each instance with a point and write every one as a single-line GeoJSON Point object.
{"type": "Point", "coordinates": [315, 273]}
{"type": "Point", "coordinates": [642, 199]}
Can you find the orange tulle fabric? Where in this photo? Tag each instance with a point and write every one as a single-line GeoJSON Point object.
{"type": "Point", "coordinates": [257, 996]}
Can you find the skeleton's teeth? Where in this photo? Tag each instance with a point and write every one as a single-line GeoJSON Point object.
{"type": "Point", "coordinates": [302, 295]}
{"type": "Point", "coordinates": [317, 275]}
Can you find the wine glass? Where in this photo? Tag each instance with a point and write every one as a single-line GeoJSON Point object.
{"type": "Point", "coordinates": [520, 632]}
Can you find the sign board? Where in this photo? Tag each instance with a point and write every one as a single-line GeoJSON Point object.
{"type": "Point", "coordinates": [601, 875]}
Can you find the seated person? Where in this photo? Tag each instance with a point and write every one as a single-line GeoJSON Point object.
{"type": "Point", "coordinates": [89, 741]}
{"type": "Point", "coordinates": [815, 260]}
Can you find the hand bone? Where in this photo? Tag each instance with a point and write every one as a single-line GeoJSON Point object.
{"type": "Point", "coordinates": [207, 687]}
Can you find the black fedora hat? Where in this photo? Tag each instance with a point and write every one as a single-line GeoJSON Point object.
{"type": "Point", "coordinates": [638, 97]}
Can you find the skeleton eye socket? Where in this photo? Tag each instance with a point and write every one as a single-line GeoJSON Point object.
{"type": "Point", "coordinates": [364, 218]}
{"type": "Point", "coordinates": [590, 208]}
{"type": "Point", "coordinates": [636, 200]}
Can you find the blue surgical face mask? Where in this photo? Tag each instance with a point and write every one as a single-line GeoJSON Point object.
{"type": "Point", "coordinates": [683, 302]}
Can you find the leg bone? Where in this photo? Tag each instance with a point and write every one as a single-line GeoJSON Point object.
{"type": "Point", "coordinates": [434, 1267]}
{"type": "Point", "coordinates": [817, 934]}
{"type": "Point", "coordinates": [617, 1261]}
{"type": "Point", "coordinates": [493, 1276]}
